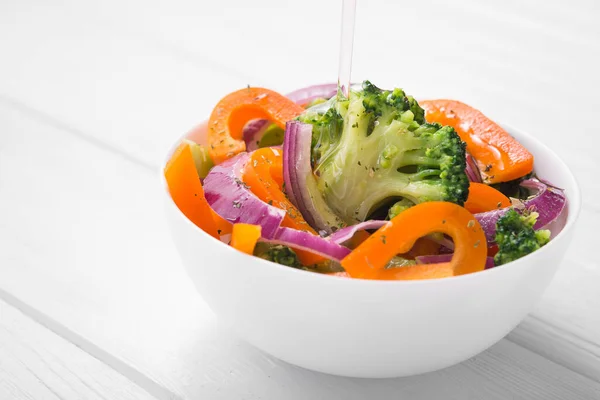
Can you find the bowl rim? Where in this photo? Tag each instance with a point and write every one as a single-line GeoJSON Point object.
{"type": "Point", "coordinates": [573, 204]}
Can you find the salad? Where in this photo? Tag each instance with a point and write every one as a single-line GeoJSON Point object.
{"type": "Point", "coordinates": [372, 185]}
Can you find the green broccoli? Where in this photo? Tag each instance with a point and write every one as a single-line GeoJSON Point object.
{"type": "Point", "coordinates": [399, 262]}
{"type": "Point", "coordinates": [318, 100]}
{"type": "Point", "coordinates": [398, 207]}
{"type": "Point", "coordinates": [516, 237]}
{"type": "Point", "coordinates": [278, 254]}
{"type": "Point", "coordinates": [376, 148]}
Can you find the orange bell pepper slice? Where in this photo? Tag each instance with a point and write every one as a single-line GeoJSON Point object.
{"type": "Point", "coordinates": [484, 198]}
{"type": "Point", "coordinates": [186, 190]}
{"type": "Point", "coordinates": [500, 157]}
{"type": "Point", "coordinates": [224, 227]}
{"type": "Point", "coordinates": [423, 247]}
{"type": "Point", "coordinates": [368, 260]}
{"type": "Point", "coordinates": [231, 114]}
{"type": "Point", "coordinates": [244, 237]}
{"type": "Point", "coordinates": [264, 176]}
{"type": "Point", "coordinates": [357, 239]}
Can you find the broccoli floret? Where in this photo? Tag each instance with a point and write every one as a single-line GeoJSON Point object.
{"type": "Point", "coordinates": [376, 147]}
{"type": "Point", "coordinates": [399, 262]}
{"type": "Point", "coordinates": [516, 237]}
{"type": "Point", "coordinates": [278, 254]}
{"type": "Point", "coordinates": [318, 100]}
{"type": "Point", "coordinates": [398, 207]}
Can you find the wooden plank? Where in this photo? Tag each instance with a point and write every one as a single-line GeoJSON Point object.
{"type": "Point", "coordinates": [111, 87]}
{"type": "Point", "coordinates": [158, 69]}
{"type": "Point", "coordinates": [86, 250]}
{"type": "Point", "coordinates": [152, 85]}
{"type": "Point", "coordinates": [166, 54]}
{"type": "Point", "coordinates": [35, 363]}
{"type": "Point", "coordinates": [156, 78]}
{"type": "Point", "coordinates": [559, 344]}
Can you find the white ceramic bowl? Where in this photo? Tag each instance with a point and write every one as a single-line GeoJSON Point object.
{"type": "Point", "coordinates": [372, 329]}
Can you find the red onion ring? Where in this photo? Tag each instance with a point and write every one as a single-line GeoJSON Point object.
{"type": "Point", "coordinates": [549, 203]}
{"type": "Point", "coordinates": [472, 170]}
{"type": "Point", "coordinates": [342, 235]}
{"type": "Point", "coordinates": [299, 179]}
{"type": "Point", "coordinates": [231, 198]}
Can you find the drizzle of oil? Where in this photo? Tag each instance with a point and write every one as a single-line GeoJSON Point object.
{"type": "Point", "coordinates": [346, 46]}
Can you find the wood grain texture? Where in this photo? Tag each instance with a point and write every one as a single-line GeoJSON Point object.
{"type": "Point", "coordinates": [150, 317]}
{"type": "Point", "coordinates": [35, 363]}
{"type": "Point", "coordinates": [93, 94]}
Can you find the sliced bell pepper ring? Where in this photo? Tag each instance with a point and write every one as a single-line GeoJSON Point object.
{"type": "Point", "coordinates": [500, 157]}
{"type": "Point", "coordinates": [423, 247]}
{"type": "Point", "coordinates": [368, 260]}
{"type": "Point", "coordinates": [357, 239]}
{"type": "Point", "coordinates": [224, 227]}
{"type": "Point", "coordinates": [483, 198]}
{"type": "Point", "coordinates": [244, 237]}
{"type": "Point", "coordinates": [231, 114]}
{"type": "Point", "coordinates": [186, 190]}
{"type": "Point", "coordinates": [264, 176]}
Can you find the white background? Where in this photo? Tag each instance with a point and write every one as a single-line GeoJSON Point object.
{"type": "Point", "coordinates": [92, 94]}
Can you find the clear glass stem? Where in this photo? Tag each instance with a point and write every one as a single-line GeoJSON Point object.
{"type": "Point", "coordinates": [346, 44]}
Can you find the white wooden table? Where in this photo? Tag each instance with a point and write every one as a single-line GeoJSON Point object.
{"type": "Point", "coordinates": [94, 301]}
